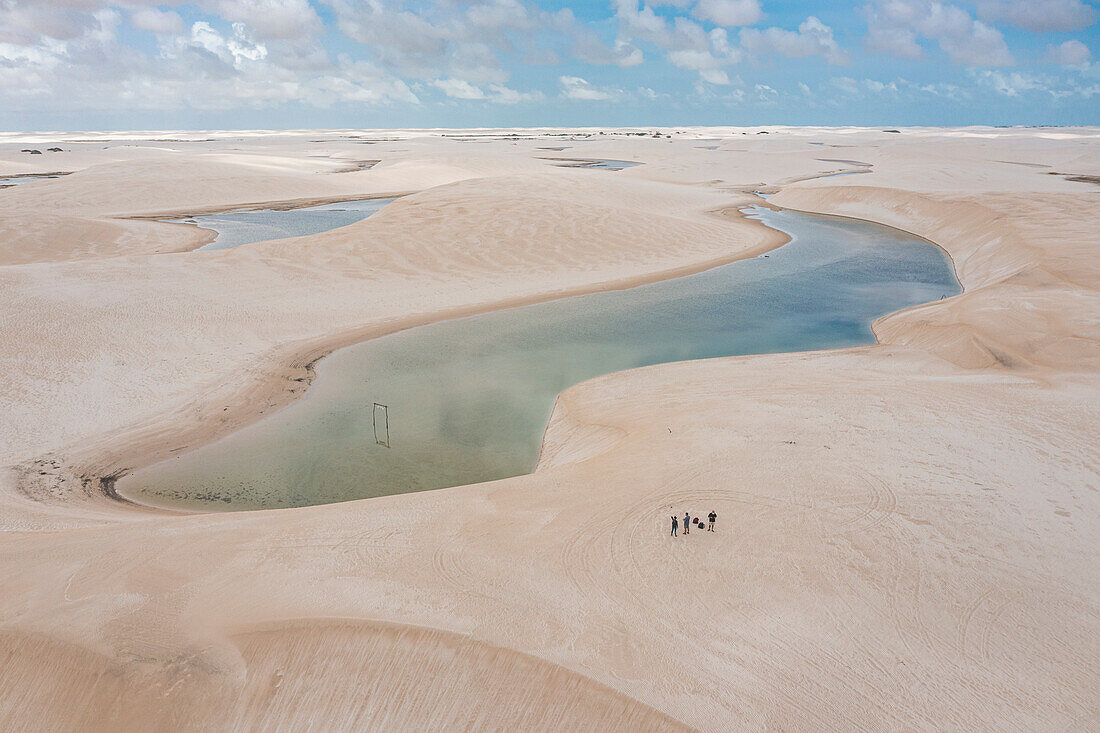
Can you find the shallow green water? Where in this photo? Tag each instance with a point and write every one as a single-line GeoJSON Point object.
{"type": "Point", "coordinates": [235, 228]}
{"type": "Point", "coordinates": [607, 164]}
{"type": "Point", "coordinates": [17, 180]}
{"type": "Point", "coordinates": [468, 399]}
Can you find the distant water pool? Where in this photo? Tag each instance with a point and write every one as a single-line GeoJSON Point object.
{"type": "Point", "coordinates": [235, 228]}
{"type": "Point", "coordinates": [5, 182]}
{"type": "Point", "coordinates": [608, 164]}
{"type": "Point", "coordinates": [467, 400]}
{"type": "Point", "coordinates": [842, 173]}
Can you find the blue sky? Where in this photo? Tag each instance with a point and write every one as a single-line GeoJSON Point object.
{"type": "Point", "coordinates": [133, 64]}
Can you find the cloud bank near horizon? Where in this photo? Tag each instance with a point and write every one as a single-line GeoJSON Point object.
{"type": "Point", "coordinates": [299, 63]}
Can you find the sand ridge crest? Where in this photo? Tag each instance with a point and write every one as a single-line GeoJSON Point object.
{"type": "Point", "coordinates": [902, 528]}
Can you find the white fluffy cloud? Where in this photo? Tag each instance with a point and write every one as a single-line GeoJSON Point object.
{"type": "Point", "coordinates": [765, 93]}
{"type": "Point", "coordinates": [1020, 83]}
{"type": "Point", "coordinates": [574, 87]}
{"type": "Point", "coordinates": [709, 67]}
{"type": "Point", "coordinates": [729, 13]}
{"type": "Point", "coordinates": [461, 89]}
{"type": "Point", "coordinates": [351, 81]}
{"type": "Point", "coordinates": [77, 54]}
{"type": "Point", "coordinates": [813, 38]}
{"type": "Point", "coordinates": [686, 44]}
{"type": "Point", "coordinates": [237, 49]}
{"type": "Point", "coordinates": [26, 23]}
{"type": "Point", "coordinates": [1012, 84]}
{"type": "Point", "coordinates": [77, 61]}
{"type": "Point", "coordinates": [474, 40]}
{"type": "Point", "coordinates": [1069, 53]}
{"type": "Point", "coordinates": [856, 88]}
{"type": "Point", "coordinates": [458, 89]}
{"type": "Point", "coordinates": [156, 21]}
{"type": "Point", "coordinates": [1038, 15]}
{"type": "Point", "coordinates": [268, 19]}
{"type": "Point", "coordinates": [689, 45]}
{"type": "Point", "coordinates": [261, 52]}
{"type": "Point", "coordinates": [895, 26]}
{"type": "Point", "coordinates": [898, 88]}
{"type": "Point", "coordinates": [504, 95]}
{"type": "Point", "coordinates": [590, 48]}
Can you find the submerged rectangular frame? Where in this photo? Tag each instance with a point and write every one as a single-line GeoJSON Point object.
{"type": "Point", "coordinates": [385, 410]}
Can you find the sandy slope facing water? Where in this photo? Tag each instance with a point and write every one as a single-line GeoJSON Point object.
{"type": "Point", "coordinates": [907, 532]}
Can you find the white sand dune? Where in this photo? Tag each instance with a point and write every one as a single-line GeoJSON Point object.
{"type": "Point", "coordinates": [907, 532]}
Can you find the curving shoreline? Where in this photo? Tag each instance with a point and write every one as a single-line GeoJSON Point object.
{"type": "Point", "coordinates": [727, 306]}
{"type": "Point", "coordinates": [282, 205]}
{"type": "Point", "coordinates": [903, 527]}
{"type": "Point", "coordinates": [292, 376]}
{"type": "Point", "coordinates": [288, 372]}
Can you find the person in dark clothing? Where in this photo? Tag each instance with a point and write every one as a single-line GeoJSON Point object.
{"type": "Point", "coordinates": [674, 524]}
{"type": "Point", "coordinates": [687, 523]}
{"type": "Point", "coordinates": [710, 520]}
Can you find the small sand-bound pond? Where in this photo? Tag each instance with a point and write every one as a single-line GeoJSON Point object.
{"type": "Point", "coordinates": [468, 399]}
{"type": "Point", "coordinates": [235, 228]}
{"type": "Point", "coordinates": [19, 178]}
{"type": "Point", "coordinates": [606, 164]}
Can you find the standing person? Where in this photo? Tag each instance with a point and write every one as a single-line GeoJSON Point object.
{"type": "Point", "coordinates": [710, 520]}
{"type": "Point", "coordinates": [687, 523]}
{"type": "Point", "coordinates": [674, 523]}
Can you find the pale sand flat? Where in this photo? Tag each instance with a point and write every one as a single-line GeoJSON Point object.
{"type": "Point", "coordinates": [907, 532]}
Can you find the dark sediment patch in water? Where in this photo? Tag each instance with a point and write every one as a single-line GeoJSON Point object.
{"type": "Point", "coordinates": [838, 175]}
{"type": "Point", "coordinates": [467, 400]}
{"type": "Point", "coordinates": [357, 165]}
{"type": "Point", "coordinates": [16, 179]}
{"type": "Point", "coordinates": [842, 160]}
{"type": "Point", "coordinates": [599, 163]}
{"type": "Point", "coordinates": [1077, 178]}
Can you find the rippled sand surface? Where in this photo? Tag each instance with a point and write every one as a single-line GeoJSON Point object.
{"type": "Point", "coordinates": [906, 532]}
